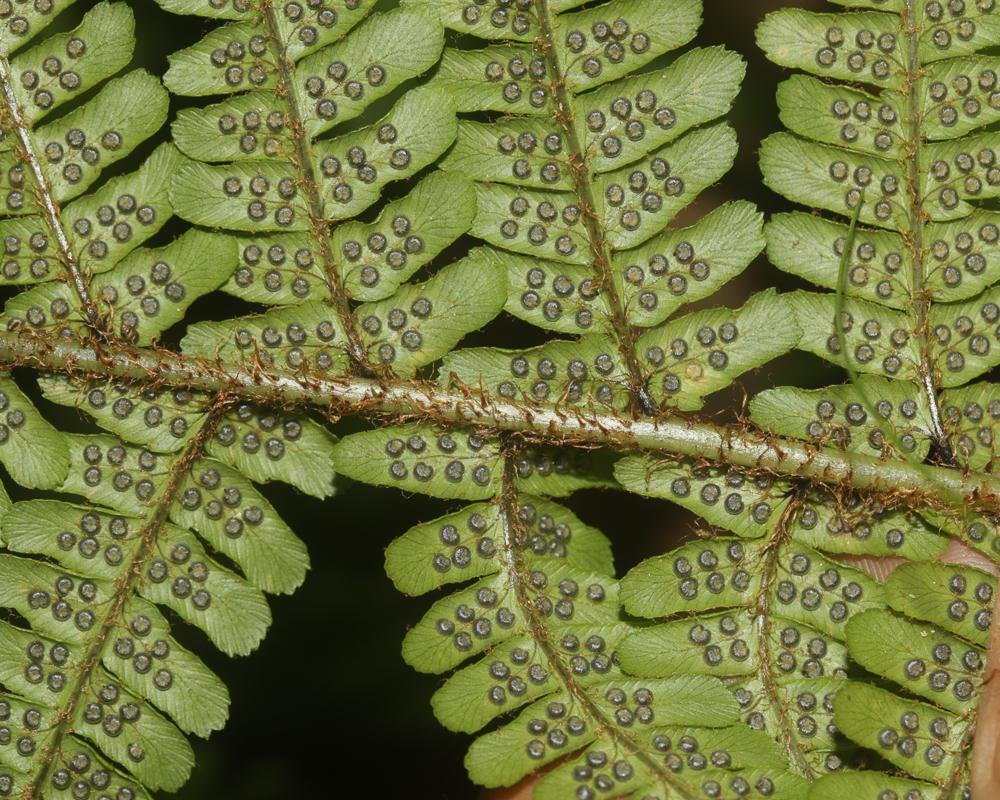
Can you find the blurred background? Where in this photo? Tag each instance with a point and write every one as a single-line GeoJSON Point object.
{"type": "Point", "coordinates": [328, 692]}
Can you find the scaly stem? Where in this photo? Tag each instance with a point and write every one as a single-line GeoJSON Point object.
{"type": "Point", "coordinates": [762, 621]}
{"type": "Point", "coordinates": [599, 246]}
{"type": "Point", "coordinates": [26, 151]}
{"type": "Point", "coordinates": [122, 592]}
{"type": "Point", "coordinates": [310, 186]}
{"type": "Point", "coordinates": [406, 400]}
{"type": "Point", "coordinates": [915, 213]}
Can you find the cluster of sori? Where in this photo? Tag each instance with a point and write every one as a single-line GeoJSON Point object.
{"type": "Point", "coordinates": [378, 186]}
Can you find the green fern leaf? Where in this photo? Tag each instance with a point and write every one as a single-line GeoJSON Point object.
{"type": "Point", "coordinates": [215, 500]}
{"type": "Point", "coordinates": [706, 256]}
{"type": "Point", "coordinates": [751, 507]}
{"type": "Point", "coordinates": [929, 742]}
{"type": "Point", "coordinates": [284, 174]}
{"type": "Point", "coordinates": [490, 761]}
{"type": "Point", "coordinates": [566, 372]}
{"type": "Point", "coordinates": [95, 660]}
{"type": "Point", "coordinates": [778, 608]}
{"type": "Point", "coordinates": [973, 528]}
{"type": "Point", "coordinates": [836, 414]}
{"type": "Point", "coordinates": [371, 199]}
{"type": "Point", "coordinates": [98, 660]}
{"type": "Point", "coordinates": [955, 599]}
{"type": "Point", "coordinates": [96, 49]}
{"type": "Point", "coordinates": [857, 525]}
{"type": "Point", "coordinates": [262, 196]}
{"type": "Point", "coordinates": [961, 349]}
{"type": "Point", "coordinates": [862, 711]}
{"type": "Point", "coordinates": [31, 450]}
{"type": "Point", "coordinates": [907, 157]}
{"type": "Point", "coordinates": [466, 466]}
{"type": "Point", "coordinates": [544, 613]}
{"type": "Point", "coordinates": [968, 412]}
{"type": "Point", "coordinates": [892, 352]}
{"type": "Point", "coordinates": [554, 296]}
{"type": "Point", "coordinates": [902, 651]}
{"type": "Point", "coordinates": [142, 296]}
{"type": "Point", "coordinates": [236, 627]}
{"type": "Point", "coordinates": [867, 140]}
{"type": "Point", "coordinates": [415, 326]}
{"type": "Point", "coordinates": [468, 544]}
{"type": "Point", "coordinates": [160, 754]}
{"type": "Point", "coordinates": [463, 467]}
{"type": "Point", "coordinates": [98, 693]}
{"type": "Point", "coordinates": [460, 298]}
{"type": "Point", "coordinates": [188, 73]}
{"type": "Point", "coordinates": [587, 166]}
{"type": "Point", "coordinates": [708, 352]}
{"type": "Point", "coordinates": [262, 445]}
{"type": "Point", "coordinates": [812, 248]}
{"type": "Point", "coordinates": [432, 216]}
{"type": "Point", "coordinates": [51, 163]}
{"type": "Point", "coordinates": [287, 338]}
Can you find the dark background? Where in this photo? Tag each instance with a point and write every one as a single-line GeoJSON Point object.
{"type": "Point", "coordinates": [327, 694]}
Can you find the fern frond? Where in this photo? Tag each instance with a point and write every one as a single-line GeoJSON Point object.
{"type": "Point", "coordinates": [334, 162]}
{"type": "Point", "coordinates": [97, 677]}
{"type": "Point", "coordinates": [779, 608]}
{"type": "Point", "coordinates": [262, 164]}
{"type": "Point", "coordinates": [910, 155]}
{"type": "Point", "coordinates": [576, 183]}
{"type": "Point", "coordinates": [931, 645]}
{"type": "Point", "coordinates": [98, 695]}
{"type": "Point", "coordinates": [50, 163]}
{"type": "Point", "coordinates": [96, 661]}
{"type": "Point", "coordinates": [903, 152]}
{"type": "Point", "coordinates": [262, 445]}
{"type": "Point", "coordinates": [544, 613]}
